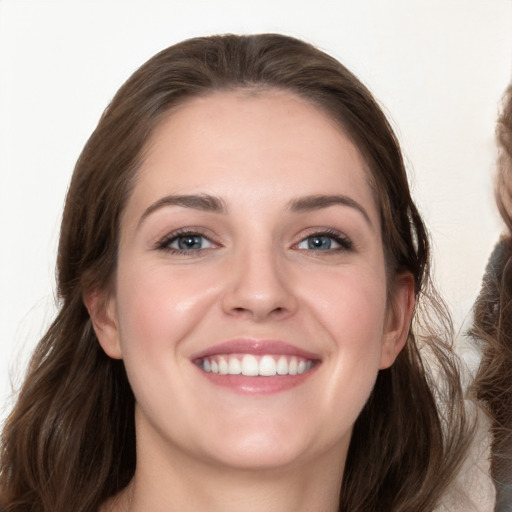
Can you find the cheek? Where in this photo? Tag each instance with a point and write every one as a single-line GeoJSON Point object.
{"type": "Point", "coordinates": [156, 310]}
{"type": "Point", "coordinates": [350, 310]}
{"type": "Point", "coordinates": [157, 306]}
{"type": "Point", "coordinates": [351, 303]}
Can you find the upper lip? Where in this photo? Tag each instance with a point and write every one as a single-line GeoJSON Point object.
{"type": "Point", "coordinates": [255, 347]}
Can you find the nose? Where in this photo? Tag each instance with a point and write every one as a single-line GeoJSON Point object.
{"type": "Point", "coordinates": [259, 287]}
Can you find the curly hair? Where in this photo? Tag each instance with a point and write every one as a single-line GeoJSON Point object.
{"type": "Point", "coordinates": [492, 325]}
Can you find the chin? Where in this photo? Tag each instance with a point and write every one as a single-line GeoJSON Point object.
{"type": "Point", "coordinates": [266, 445]}
{"type": "Point", "coordinates": [255, 454]}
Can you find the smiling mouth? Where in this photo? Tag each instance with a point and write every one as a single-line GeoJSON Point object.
{"type": "Point", "coordinates": [250, 365]}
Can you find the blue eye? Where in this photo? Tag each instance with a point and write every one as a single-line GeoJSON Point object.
{"type": "Point", "coordinates": [320, 243]}
{"type": "Point", "coordinates": [325, 242]}
{"type": "Point", "coordinates": [185, 242]}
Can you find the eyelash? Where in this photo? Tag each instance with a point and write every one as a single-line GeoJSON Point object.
{"type": "Point", "coordinates": [164, 244]}
{"type": "Point", "coordinates": [345, 244]}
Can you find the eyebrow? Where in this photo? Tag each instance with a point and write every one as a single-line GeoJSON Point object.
{"type": "Point", "coordinates": [208, 203]}
{"type": "Point", "coordinates": [317, 202]}
{"type": "Point", "coordinates": [202, 202]}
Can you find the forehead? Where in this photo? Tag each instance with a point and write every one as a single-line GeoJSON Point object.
{"type": "Point", "coordinates": [241, 143]}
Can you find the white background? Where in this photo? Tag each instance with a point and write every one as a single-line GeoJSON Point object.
{"type": "Point", "coordinates": [438, 66]}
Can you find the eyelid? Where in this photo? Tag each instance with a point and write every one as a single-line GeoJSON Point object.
{"type": "Point", "coordinates": [164, 242]}
{"type": "Point", "coordinates": [345, 243]}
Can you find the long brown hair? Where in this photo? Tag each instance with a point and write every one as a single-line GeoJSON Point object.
{"type": "Point", "coordinates": [492, 325]}
{"type": "Point", "coordinates": [70, 438]}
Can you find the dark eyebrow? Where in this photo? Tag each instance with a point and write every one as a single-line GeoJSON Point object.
{"type": "Point", "coordinates": [202, 202]}
{"type": "Point", "coordinates": [317, 202]}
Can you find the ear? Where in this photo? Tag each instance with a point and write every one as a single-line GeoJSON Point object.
{"type": "Point", "coordinates": [398, 319]}
{"type": "Point", "coordinates": [102, 310]}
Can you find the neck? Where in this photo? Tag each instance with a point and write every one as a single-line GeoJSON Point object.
{"type": "Point", "coordinates": [233, 491]}
{"type": "Point", "coordinates": [177, 482]}
{"type": "Point", "coordinates": [236, 493]}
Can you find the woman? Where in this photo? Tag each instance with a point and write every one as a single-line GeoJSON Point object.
{"type": "Point", "coordinates": [239, 263]}
{"type": "Point", "coordinates": [492, 326]}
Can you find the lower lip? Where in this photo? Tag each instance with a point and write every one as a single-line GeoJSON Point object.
{"type": "Point", "coordinates": [258, 385]}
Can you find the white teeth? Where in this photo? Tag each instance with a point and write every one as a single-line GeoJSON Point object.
{"type": "Point", "coordinates": [282, 366]}
{"type": "Point", "coordinates": [223, 366]}
{"type": "Point", "coordinates": [235, 366]}
{"type": "Point", "coordinates": [267, 366]}
{"type": "Point", "coordinates": [250, 365]}
{"type": "Point", "coordinates": [292, 366]}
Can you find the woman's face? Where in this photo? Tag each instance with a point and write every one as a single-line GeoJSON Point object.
{"type": "Point", "coordinates": [250, 300]}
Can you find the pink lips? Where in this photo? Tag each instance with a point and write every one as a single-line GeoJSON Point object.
{"type": "Point", "coordinates": [256, 347]}
{"type": "Point", "coordinates": [256, 384]}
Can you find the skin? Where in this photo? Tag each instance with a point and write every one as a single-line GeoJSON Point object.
{"type": "Point", "coordinates": [201, 446]}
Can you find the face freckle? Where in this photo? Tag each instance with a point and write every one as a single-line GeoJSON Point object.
{"type": "Point", "coordinates": [251, 239]}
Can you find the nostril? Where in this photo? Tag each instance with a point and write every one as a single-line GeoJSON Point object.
{"type": "Point", "coordinates": [277, 312]}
